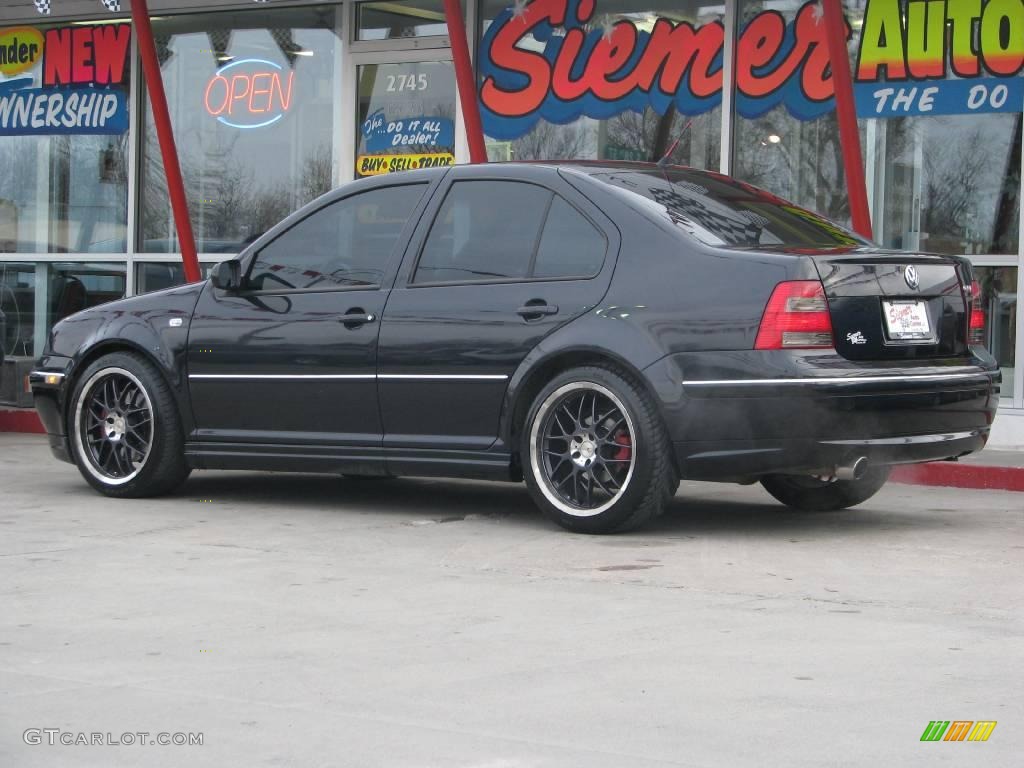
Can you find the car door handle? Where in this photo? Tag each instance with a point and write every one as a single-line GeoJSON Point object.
{"type": "Point", "coordinates": [534, 310]}
{"type": "Point", "coordinates": [356, 317]}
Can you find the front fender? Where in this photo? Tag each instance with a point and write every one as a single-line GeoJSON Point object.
{"type": "Point", "coordinates": [155, 325]}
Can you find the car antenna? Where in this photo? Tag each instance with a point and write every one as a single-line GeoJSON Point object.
{"type": "Point", "coordinates": [664, 159]}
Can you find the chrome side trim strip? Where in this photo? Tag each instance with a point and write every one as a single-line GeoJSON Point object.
{"type": "Point", "coordinates": [266, 376]}
{"type": "Point", "coordinates": [466, 377]}
{"type": "Point", "coordinates": [362, 376]}
{"type": "Point", "coordinates": [841, 379]}
{"type": "Point", "coordinates": [44, 374]}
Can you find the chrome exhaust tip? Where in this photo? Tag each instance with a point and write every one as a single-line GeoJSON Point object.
{"type": "Point", "coordinates": [854, 470]}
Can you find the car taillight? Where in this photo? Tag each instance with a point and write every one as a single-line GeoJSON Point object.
{"type": "Point", "coordinates": [796, 317]}
{"type": "Point", "coordinates": [976, 325]}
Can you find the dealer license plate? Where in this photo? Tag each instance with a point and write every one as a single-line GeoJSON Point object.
{"type": "Point", "coordinates": [907, 320]}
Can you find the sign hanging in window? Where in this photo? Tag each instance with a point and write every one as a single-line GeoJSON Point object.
{"type": "Point", "coordinates": [80, 88]}
{"type": "Point", "coordinates": [559, 60]}
{"type": "Point", "coordinates": [250, 93]}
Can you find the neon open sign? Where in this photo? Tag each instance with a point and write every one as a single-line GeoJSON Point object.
{"type": "Point", "coordinates": [250, 93]}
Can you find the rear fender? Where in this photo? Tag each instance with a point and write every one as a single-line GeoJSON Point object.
{"type": "Point", "coordinates": [593, 338]}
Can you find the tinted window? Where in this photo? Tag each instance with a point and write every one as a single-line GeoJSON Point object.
{"type": "Point", "coordinates": [484, 230]}
{"type": "Point", "coordinates": [570, 245]}
{"type": "Point", "coordinates": [350, 242]}
{"type": "Point", "coordinates": [720, 211]}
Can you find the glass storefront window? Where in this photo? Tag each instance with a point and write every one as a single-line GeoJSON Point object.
{"type": "Point", "coordinates": [999, 303]}
{"type": "Point", "coordinates": [942, 166]}
{"type": "Point", "coordinates": [35, 295]}
{"type": "Point", "coordinates": [17, 305]}
{"type": "Point", "coordinates": [592, 124]}
{"type": "Point", "coordinates": [406, 117]}
{"type": "Point", "coordinates": [251, 99]}
{"type": "Point", "coordinates": [783, 149]}
{"type": "Point", "coordinates": [391, 20]}
{"type": "Point", "coordinates": [948, 184]}
{"type": "Point", "coordinates": [64, 143]}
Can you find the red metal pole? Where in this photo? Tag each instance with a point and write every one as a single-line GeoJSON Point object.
{"type": "Point", "coordinates": [846, 115]}
{"type": "Point", "coordinates": [162, 120]}
{"type": "Point", "coordinates": [466, 80]}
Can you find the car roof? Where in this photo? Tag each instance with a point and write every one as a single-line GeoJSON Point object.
{"type": "Point", "coordinates": [599, 167]}
{"type": "Point", "coordinates": [585, 167]}
{"type": "Point", "coordinates": [612, 172]}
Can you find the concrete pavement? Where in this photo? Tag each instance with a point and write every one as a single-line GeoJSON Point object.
{"type": "Point", "coordinates": [314, 621]}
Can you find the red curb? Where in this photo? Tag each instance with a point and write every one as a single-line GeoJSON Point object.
{"type": "Point", "coordinates": [21, 420]}
{"type": "Point", "coordinates": [954, 475]}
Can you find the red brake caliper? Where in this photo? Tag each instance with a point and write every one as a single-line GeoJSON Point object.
{"type": "Point", "coordinates": [623, 439]}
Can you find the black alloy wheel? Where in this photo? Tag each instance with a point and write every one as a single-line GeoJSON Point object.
{"type": "Point", "coordinates": [586, 448]}
{"type": "Point", "coordinates": [115, 422]}
{"type": "Point", "coordinates": [595, 454]}
{"type": "Point", "coordinates": [124, 428]}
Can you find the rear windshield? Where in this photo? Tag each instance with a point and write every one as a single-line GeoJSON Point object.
{"type": "Point", "coordinates": [721, 211]}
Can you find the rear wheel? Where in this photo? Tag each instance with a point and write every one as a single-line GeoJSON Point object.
{"type": "Point", "coordinates": [125, 433]}
{"type": "Point", "coordinates": [810, 494]}
{"type": "Point", "coordinates": [595, 454]}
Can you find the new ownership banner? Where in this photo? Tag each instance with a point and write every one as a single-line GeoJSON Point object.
{"type": "Point", "coordinates": [26, 111]}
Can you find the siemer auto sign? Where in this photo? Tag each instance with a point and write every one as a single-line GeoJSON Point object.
{"type": "Point", "coordinates": [552, 60]}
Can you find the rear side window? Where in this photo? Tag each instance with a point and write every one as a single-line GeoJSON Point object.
{"type": "Point", "coordinates": [350, 242]}
{"type": "Point", "coordinates": [717, 210]}
{"type": "Point", "coordinates": [507, 230]}
{"type": "Point", "coordinates": [570, 246]}
{"type": "Point", "coordinates": [485, 230]}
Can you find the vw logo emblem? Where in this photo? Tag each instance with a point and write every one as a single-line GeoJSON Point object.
{"type": "Point", "coordinates": [911, 276]}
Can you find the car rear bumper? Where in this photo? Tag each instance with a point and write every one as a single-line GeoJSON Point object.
{"type": "Point", "coordinates": [727, 460]}
{"type": "Point", "coordinates": [802, 413]}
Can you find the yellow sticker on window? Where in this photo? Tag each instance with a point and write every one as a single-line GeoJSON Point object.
{"type": "Point", "coordinates": [21, 48]}
{"type": "Point", "coordinates": [374, 165]}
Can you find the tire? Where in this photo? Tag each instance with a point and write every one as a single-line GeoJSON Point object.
{"type": "Point", "coordinates": [117, 451]}
{"type": "Point", "coordinates": [622, 464]}
{"type": "Point", "coordinates": [811, 495]}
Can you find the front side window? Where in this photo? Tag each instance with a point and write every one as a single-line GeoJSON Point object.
{"type": "Point", "coordinates": [485, 230]}
{"type": "Point", "coordinates": [347, 243]}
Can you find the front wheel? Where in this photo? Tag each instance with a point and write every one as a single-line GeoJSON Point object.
{"type": "Point", "coordinates": [596, 457]}
{"type": "Point", "coordinates": [809, 494]}
{"type": "Point", "coordinates": [125, 434]}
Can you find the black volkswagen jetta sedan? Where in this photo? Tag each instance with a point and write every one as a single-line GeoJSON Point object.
{"type": "Point", "coordinates": [599, 330]}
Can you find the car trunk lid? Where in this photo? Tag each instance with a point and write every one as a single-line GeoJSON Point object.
{"type": "Point", "coordinates": [891, 305]}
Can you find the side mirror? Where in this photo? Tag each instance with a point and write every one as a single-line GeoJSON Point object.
{"type": "Point", "coordinates": [227, 276]}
